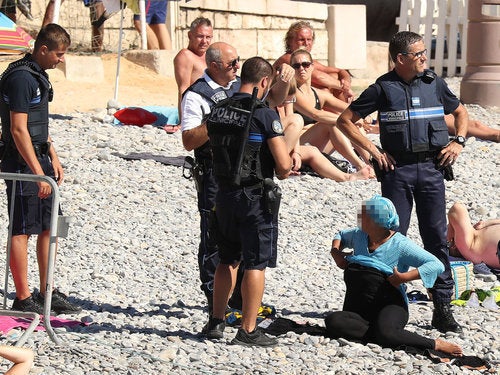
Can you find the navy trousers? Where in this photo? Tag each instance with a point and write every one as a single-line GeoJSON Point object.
{"type": "Point", "coordinates": [423, 183]}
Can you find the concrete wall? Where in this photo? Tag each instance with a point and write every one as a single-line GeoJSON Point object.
{"type": "Point", "coordinates": [255, 27]}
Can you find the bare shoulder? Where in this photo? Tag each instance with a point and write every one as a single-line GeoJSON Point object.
{"type": "Point", "coordinates": [184, 56]}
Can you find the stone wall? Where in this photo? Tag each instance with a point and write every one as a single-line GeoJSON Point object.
{"type": "Point", "coordinates": [255, 27]}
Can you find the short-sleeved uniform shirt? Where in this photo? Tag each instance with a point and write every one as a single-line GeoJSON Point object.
{"type": "Point", "coordinates": [245, 229]}
{"type": "Point", "coordinates": [373, 98]}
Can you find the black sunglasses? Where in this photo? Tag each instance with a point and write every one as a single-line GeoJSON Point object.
{"type": "Point", "coordinates": [304, 64]}
{"type": "Point", "coordinates": [234, 62]}
{"type": "Point", "coordinates": [417, 55]}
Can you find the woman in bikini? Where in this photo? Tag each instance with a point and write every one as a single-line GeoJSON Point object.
{"type": "Point", "coordinates": [307, 154]}
{"type": "Point", "coordinates": [319, 124]}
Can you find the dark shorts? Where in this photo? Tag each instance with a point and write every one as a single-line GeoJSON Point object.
{"type": "Point", "coordinates": [245, 231]}
{"type": "Point", "coordinates": [156, 12]}
{"type": "Point", "coordinates": [31, 214]}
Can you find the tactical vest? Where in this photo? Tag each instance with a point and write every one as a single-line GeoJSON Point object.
{"type": "Point", "coordinates": [236, 161]}
{"type": "Point", "coordinates": [38, 116]}
{"type": "Point", "coordinates": [412, 119]}
{"type": "Point", "coordinates": [213, 97]}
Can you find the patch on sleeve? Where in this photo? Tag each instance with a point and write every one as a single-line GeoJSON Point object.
{"type": "Point", "coordinates": [277, 127]}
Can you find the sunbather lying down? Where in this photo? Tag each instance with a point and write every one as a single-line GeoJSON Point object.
{"type": "Point", "coordinates": [475, 129]}
{"type": "Point", "coordinates": [476, 243]}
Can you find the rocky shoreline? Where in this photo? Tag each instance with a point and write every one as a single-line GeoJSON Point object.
{"type": "Point", "coordinates": [130, 261]}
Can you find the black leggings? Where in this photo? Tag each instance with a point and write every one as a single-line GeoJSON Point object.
{"type": "Point", "coordinates": [374, 311]}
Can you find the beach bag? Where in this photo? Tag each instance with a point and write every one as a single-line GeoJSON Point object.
{"type": "Point", "coordinates": [463, 277]}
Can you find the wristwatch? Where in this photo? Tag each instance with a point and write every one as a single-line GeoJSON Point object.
{"type": "Point", "coordinates": [460, 140]}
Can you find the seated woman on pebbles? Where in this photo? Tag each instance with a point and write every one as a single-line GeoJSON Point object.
{"type": "Point", "coordinates": [375, 305]}
{"type": "Point", "coordinates": [307, 154]}
{"type": "Point", "coordinates": [319, 123]}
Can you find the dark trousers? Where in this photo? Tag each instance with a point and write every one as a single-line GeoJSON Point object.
{"type": "Point", "coordinates": [422, 182]}
{"type": "Point", "coordinates": [373, 311]}
{"type": "Point", "coordinates": [208, 257]}
{"type": "Point", "coordinates": [208, 254]}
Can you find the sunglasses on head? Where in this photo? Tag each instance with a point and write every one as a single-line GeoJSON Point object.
{"type": "Point", "coordinates": [304, 64]}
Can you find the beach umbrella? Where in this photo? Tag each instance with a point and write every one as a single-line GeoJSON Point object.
{"type": "Point", "coordinates": [13, 39]}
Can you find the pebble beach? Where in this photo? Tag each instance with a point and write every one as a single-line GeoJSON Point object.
{"type": "Point", "coordinates": [130, 261]}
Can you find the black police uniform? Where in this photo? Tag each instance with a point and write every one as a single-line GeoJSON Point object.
{"type": "Point", "coordinates": [247, 228]}
{"type": "Point", "coordinates": [413, 130]}
{"type": "Point", "coordinates": [25, 88]}
{"type": "Point", "coordinates": [207, 189]}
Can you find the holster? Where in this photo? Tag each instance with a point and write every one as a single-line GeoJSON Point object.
{"type": "Point", "coordinates": [192, 169]}
{"type": "Point", "coordinates": [379, 172]}
{"type": "Point", "coordinates": [446, 169]}
{"type": "Point", "coordinates": [272, 196]}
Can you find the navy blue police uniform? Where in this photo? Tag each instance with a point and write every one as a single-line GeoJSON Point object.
{"type": "Point", "coordinates": [246, 228]}
{"type": "Point", "coordinates": [413, 131]}
{"type": "Point", "coordinates": [25, 88]}
{"type": "Point", "coordinates": [207, 189]}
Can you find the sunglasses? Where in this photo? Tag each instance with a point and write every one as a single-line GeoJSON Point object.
{"type": "Point", "coordinates": [234, 62]}
{"type": "Point", "coordinates": [416, 54]}
{"type": "Point", "coordinates": [304, 64]}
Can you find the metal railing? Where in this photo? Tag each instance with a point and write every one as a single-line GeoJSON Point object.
{"type": "Point", "coordinates": [58, 228]}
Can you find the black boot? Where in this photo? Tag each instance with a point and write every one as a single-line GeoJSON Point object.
{"type": "Point", "coordinates": [443, 320]}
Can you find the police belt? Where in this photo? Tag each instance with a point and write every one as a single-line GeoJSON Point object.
{"type": "Point", "coordinates": [247, 187]}
{"type": "Point", "coordinates": [204, 163]}
{"type": "Point", "coordinates": [414, 157]}
{"type": "Point", "coordinates": [41, 149]}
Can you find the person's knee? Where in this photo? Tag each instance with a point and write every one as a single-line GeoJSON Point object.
{"type": "Point", "coordinates": [334, 323]}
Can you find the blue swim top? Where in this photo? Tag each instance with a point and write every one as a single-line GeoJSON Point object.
{"type": "Point", "coordinates": [382, 211]}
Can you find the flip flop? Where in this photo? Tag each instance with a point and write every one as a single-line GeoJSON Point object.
{"type": "Point", "coordinates": [416, 296]}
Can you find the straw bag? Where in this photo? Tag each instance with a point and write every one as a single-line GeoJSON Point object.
{"type": "Point", "coordinates": [463, 276]}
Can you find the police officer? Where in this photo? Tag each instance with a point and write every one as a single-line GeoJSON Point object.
{"type": "Point", "coordinates": [219, 82]}
{"type": "Point", "coordinates": [248, 148]}
{"type": "Point", "coordinates": [416, 153]}
{"type": "Point", "coordinates": [25, 93]}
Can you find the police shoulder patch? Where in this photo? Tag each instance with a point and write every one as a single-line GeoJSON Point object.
{"type": "Point", "coordinates": [277, 127]}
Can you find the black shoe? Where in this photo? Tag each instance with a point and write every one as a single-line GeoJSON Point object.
{"type": "Point", "coordinates": [214, 329]}
{"type": "Point", "coordinates": [255, 338]}
{"type": "Point", "coordinates": [443, 320]}
{"type": "Point", "coordinates": [29, 304]}
{"type": "Point", "coordinates": [60, 303]}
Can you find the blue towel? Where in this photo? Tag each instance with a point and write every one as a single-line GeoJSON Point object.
{"type": "Point", "coordinates": [165, 115]}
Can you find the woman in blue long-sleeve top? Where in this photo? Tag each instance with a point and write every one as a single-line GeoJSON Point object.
{"type": "Point", "coordinates": [375, 306]}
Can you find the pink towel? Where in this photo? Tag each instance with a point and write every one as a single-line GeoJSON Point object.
{"type": "Point", "coordinates": [9, 322]}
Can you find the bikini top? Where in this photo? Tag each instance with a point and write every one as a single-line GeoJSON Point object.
{"type": "Point", "coordinates": [309, 120]}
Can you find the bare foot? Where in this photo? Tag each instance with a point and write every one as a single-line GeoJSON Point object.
{"type": "Point", "coordinates": [448, 347]}
{"type": "Point", "coordinates": [364, 173]}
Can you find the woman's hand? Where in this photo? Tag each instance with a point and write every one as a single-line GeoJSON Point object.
{"type": "Point", "coordinates": [339, 258]}
{"type": "Point", "coordinates": [396, 279]}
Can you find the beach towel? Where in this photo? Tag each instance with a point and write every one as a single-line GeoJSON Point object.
{"type": "Point", "coordinates": [177, 161]}
{"type": "Point", "coordinates": [9, 322]}
{"type": "Point", "coordinates": [164, 116]}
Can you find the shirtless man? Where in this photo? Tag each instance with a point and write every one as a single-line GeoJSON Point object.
{"type": "Point", "coordinates": [338, 81]}
{"type": "Point", "coordinates": [189, 63]}
{"type": "Point", "coordinates": [478, 243]}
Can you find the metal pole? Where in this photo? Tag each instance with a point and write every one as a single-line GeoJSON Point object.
{"type": "Point", "coordinates": [52, 242]}
{"type": "Point", "coordinates": [120, 37]}
{"type": "Point", "coordinates": [57, 9]}
{"type": "Point", "coordinates": [144, 38]}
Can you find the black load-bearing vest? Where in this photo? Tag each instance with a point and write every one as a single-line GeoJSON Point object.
{"type": "Point", "coordinates": [38, 116]}
{"type": "Point", "coordinates": [412, 120]}
{"type": "Point", "coordinates": [236, 162]}
{"type": "Point", "coordinates": [213, 96]}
